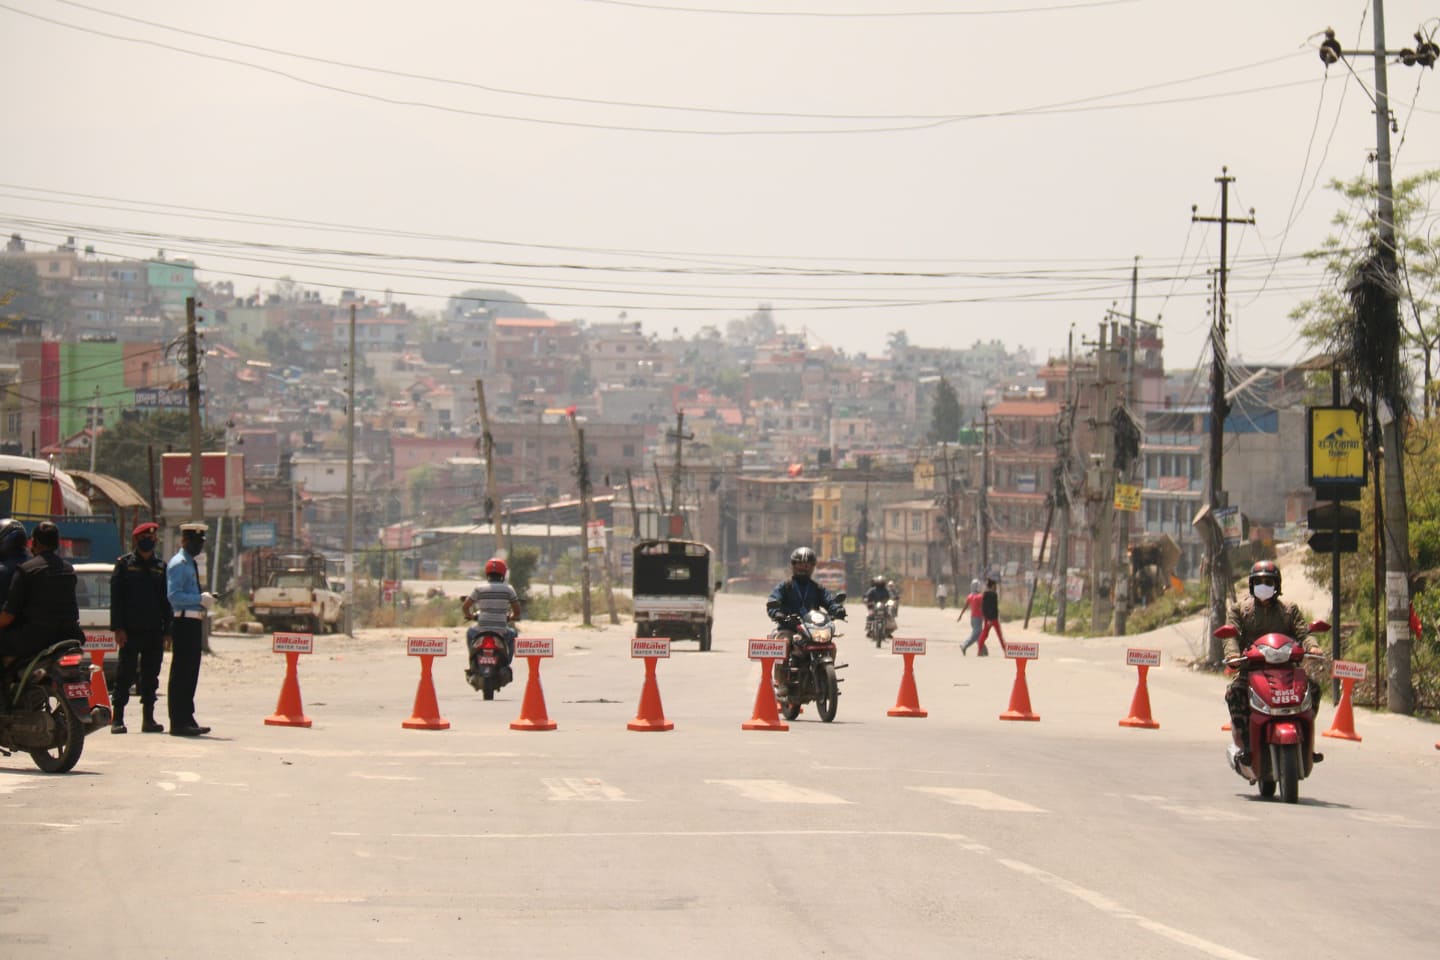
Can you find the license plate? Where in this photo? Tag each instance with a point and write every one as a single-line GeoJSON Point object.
{"type": "Point", "coordinates": [488, 661]}
{"type": "Point", "coordinates": [77, 691]}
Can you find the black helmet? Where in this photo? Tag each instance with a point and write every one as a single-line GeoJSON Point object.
{"type": "Point", "coordinates": [877, 581]}
{"type": "Point", "coordinates": [802, 557]}
{"type": "Point", "coordinates": [1265, 571]}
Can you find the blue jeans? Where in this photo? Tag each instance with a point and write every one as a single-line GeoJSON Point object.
{"type": "Point", "coordinates": [976, 625]}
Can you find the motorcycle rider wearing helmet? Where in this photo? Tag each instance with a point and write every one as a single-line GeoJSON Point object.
{"type": "Point", "coordinates": [495, 606]}
{"type": "Point", "coordinates": [12, 552]}
{"type": "Point", "coordinates": [792, 599]}
{"type": "Point", "coordinates": [40, 602]}
{"type": "Point", "coordinates": [876, 596]}
{"type": "Point", "coordinates": [1253, 616]}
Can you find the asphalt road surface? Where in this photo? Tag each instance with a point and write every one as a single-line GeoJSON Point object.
{"type": "Point", "coordinates": [956, 835]}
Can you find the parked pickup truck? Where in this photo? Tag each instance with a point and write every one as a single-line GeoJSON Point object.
{"type": "Point", "coordinates": [294, 594]}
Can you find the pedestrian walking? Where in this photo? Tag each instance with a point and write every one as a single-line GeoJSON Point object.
{"type": "Point", "coordinates": [189, 605]}
{"type": "Point", "coordinates": [140, 619]}
{"type": "Point", "coordinates": [942, 593]}
{"type": "Point", "coordinates": [974, 603]}
{"type": "Point", "coordinates": [990, 607]}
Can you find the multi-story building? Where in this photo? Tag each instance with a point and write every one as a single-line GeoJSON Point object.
{"type": "Point", "coordinates": [775, 517]}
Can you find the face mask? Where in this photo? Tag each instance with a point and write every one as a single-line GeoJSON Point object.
{"type": "Point", "coordinates": [145, 544]}
{"type": "Point", "coordinates": [195, 547]}
{"type": "Point", "coordinates": [1263, 591]}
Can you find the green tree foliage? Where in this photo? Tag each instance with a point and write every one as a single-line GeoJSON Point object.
{"type": "Point", "coordinates": [123, 449]}
{"type": "Point", "coordinates": [502, 303]}
{"type": "Point", "coordinates": [945, 419]}
{"type": "Point", "coordinates": [21, 296]}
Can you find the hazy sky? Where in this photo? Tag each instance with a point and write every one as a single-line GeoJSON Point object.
{"type": "Point", "coordinates": [958, 169]}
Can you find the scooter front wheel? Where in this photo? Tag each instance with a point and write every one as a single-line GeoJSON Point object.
{"type": "Point", "coordinates": [1290, 773]}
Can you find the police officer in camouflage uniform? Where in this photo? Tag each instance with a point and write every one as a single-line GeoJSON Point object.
{"type": "Point", "coordinates": [1253, 617]}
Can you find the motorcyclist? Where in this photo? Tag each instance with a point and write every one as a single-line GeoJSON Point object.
{"type": "Point", "coordinates": [875, 599]}
{"type": "Point", "coordinates": [12, 553]}
{"type": "Point", "coordinates": [495, 607]}
{"type": "Point", "coordinates": [40, 603]}
{"type": "Point", "coordinates": [1253, 616]}
{"type": "Point", "coordinates": [792, 599]}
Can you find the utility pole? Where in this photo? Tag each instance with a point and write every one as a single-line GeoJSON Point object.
{"type": "Point", "coordinates": [1062, 485]}
{"type": "Point", "coordinates": [1215, 498]}
{"type": "Point", "coordinates": [951, 534]}
{"type": "Point", "coordinates": [1122, 582]}
{"type": "Point", "coordinates": [1103, 481]}
{"type": "Point", "coordinates": [487, 450]}
{"type": "Point", "coordinates": [1400, 694]}
{"type": "Point", "coordinates": [984, 490]}
{"type": "Point", "coordinates": [94, 422]}
{"type": "Point", "coordinates": [192, 392]}
{"type": "Point", "coordinates": [587, 515]}
{"type": "Point", "coordinates": [680, 436]}
{"type": "Point", "coordinates": [350, 483]}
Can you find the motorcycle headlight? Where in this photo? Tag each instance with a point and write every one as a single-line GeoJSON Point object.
{"type": "Point", "coordinates": [822, 634]}
{"type": "Point", "coordinates": [815, 617]}
{"type": "Point", "coordinates": [1276, 654]}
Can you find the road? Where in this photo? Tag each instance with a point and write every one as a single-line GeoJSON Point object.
{"type": "Point", "coordinates": [952, 835]}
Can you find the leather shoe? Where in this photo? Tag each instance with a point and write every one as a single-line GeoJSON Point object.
{"type": "Point", "coordinates": [152, 726]}
{"type": "Point", "coordinates": [188, 730]}
{"type": "Point", "coordinates": [118, 727]}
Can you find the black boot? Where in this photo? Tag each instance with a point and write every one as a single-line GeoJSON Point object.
{"type": "Point", "coordinates": [148, 724]}
{"type": "Point", "coordinates": [117, 722]}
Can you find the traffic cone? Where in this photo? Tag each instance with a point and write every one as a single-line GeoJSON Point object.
{"type": "Point", "coordinates": [651, 715]}
{"type": "Point", "coordinates": [1343, 727]}
{"type": "Point", "coordinates": [425, 715]}
{"type": "Point", "coordinates": [907, 703]}
{"type": "Point", "coordinates": [1140, 704]}
{"type": "Point", "coordinates": [532, 708]}
{"type": "Point", "coordinates": [1019, 697]}
{"type": "Point", "coordinates": [99, 692]}
{"type": "Point", "coordinates": [765, 716]}
{"type": "Point", "coordinates": [289, 711]}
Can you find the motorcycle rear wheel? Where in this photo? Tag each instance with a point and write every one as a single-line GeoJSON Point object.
{"type": "Point", "coordinates": [487, 687]}
{"type": "Point", "coordinates": [64, 755]}
{"type": "Point", "coordinates": [1290, 773]}
{"type": "Point", "coordinates": [789, 710]}
{"type": "Point", "coordinates": [827, 693]}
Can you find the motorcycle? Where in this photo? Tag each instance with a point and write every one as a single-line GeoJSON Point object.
{"type": "Point", "coordinates": [47, 710]}
{"type": "Point", "coordinates": [875, 621]}
{"type": "Point", "coordinates": [490, 657]}
{"type": "Point", "coordinates": [1281, 734]}
{"type": "Point", "coordinates": [811, 664]}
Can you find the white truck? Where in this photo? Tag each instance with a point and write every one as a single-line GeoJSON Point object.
{"type": "Point", "coordinates": [292, 593]}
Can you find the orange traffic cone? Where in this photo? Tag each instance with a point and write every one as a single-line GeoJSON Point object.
{"type": "Point", "coordinates": [1343, 727]}
{"type": "Point", "coordinates": [99, 692]}
{"type": "Point", "coordinates": [532, 708]}
{"type": "Point", "coordinates": [425, 715]}
{"type": "Point", "coordinates": [907, 704]}
{"type": "Point", "coordinates": [651, 715]}
{"type": "Point", "coordinates": [289, 711]}
{"type": "Point", "coordinates": [765, 716]}
{"type": "Point", "coordinates": [1140, 705]}
{"type": "Point", "coordinates": [1019, 697]}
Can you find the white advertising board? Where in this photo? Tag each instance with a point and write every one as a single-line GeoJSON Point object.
{"type": "Point", "coordinates": [534, 647]}
{"type": "Point", "coordinates": [101, 640]}
{"type": "Point", "coordinates": [292, 643]}
{"type": "Point", "coordinates": [1022, 650]}
{"type": "Point", "coordinates": [641, 647]}
{"type": "Point", "coordinates": [426, 646]}
{"type": "Point", "coordinates": [1138, 657]}
{"type": "Point", "coordinates": [915, 645]}
{"type": "Point", "coordinates": [765, 649]}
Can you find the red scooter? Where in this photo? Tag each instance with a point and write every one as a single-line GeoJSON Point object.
{"type": "Point", "coordinates": [1281, 738]}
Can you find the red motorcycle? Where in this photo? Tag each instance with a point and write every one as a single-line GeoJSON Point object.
{"type": "Point", "coordinates": [1281, 737]}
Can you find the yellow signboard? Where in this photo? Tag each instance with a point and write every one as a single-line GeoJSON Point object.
{"type": "Point", "coordinates": [1337, 446]}
{"type": "Point", "coordinates": [1127, 497]}
{"type": "Point", "coordinates": [848, 544]}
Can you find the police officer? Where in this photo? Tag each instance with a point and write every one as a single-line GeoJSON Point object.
{"type": "Point", "coordinates": [140, 618]}
{"type": "Point", "coordinates": [188, 606]}
{"type": "Point", "coordinates": [40, 607]}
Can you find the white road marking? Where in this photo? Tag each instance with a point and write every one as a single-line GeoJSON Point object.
{"type": "Point", "coordinates": [981, 799]}
{"type": "Point", "coordinates": [380, 776]}
{"type": "Point", "coordinates": [778, 791]}
{"type": "Point", "coordinates": [11, 786]}
{"type": "Point", "coordinates": [1212, 814]}
{"type": "Point", "coordinates": [582, 788]}
{"type": "Point", "coordinates": [401, 754]}
{"type": "Point", "coordinates": [183, 776]}
{"type": "Point", "coordinates": [1391, 820]}
{"type": "Point", "coordinates": [1105, 905]}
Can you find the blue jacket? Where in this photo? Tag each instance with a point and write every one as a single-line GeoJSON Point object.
{"type": "Point", "coordinates": [797, 597]}
{"type": "Point", "coordinates": [182, 582]}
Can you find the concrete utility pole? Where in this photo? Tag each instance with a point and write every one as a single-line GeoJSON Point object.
{"type": "Point", "coordinates": [679, 436]}
{"type": "Point", "coordinates": [1215, 498]}
{"type": "Point", "coordinates": [487, 450]}
{"type": "Point", "coordinates": [1103, 480]}
{"type": "Point", "coordinates": [1062, 485]}
{"type": "Point", "coordinates": [350, 483]}
{"type": "Point", "coordinates": [582, 475]}
{"type": "Point", "coordinates": [192, 392]}
{"type": "Point", "coordinates": [1122, 582]}
{"type": "Point", "coordinates": [94, 423]}
{"type": "Point", "coordinates": [984, 490]}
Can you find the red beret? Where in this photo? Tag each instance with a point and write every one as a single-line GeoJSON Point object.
{"type": "Point", "coordinates": [143, 528]}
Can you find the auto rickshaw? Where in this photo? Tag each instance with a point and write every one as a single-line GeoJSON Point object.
{"type": "Point", "coordinates": [673, 594]}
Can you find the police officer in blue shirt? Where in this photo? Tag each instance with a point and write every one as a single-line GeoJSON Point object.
{"type": "Point", "coordinates": [189, 604]}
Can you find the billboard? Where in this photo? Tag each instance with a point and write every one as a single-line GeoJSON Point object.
{"type": "Point", "coordinates": [1335, 451]}
{"type": "Point", "coordinates": [222, 484]}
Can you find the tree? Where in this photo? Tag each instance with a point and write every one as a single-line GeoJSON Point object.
{"type": "Point", "coordinates": [21, 294]}
{"type": "Point", "coordinates": [502, 302]}
{"type": "Point", "coordinates": [945, 420]}
{"type": "Point", "coordinates": [123, 450]}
